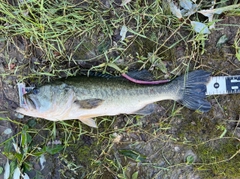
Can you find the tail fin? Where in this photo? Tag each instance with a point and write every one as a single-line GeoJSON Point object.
{"type": "Point", "coordinates": [194, 90]}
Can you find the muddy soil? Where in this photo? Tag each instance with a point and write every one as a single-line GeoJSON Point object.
{"type": "Point", "coordinates": [174, 145]}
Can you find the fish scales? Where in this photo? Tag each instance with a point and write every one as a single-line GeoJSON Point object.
{"type": "Point", "coordinates": [84, 98]}
{"type": "Point", "coordinates": [115, 91]}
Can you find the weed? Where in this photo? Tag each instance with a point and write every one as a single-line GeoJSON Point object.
{"type": "Point", "coordinates": [237, 44]}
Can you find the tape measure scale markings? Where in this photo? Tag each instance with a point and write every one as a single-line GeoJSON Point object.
{"type": "Point", "coordinates": [223, 85]}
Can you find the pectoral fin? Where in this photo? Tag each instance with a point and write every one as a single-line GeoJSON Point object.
{"type": "Point", "coordinates": [149, 109]}
{"type": "Point", "coordinates": [90, 122]}
{"type": "Point", "coordinates": [89, 103]}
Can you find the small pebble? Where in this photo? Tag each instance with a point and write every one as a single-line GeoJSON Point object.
{"type": "Point", "coordinates": [19, 116]}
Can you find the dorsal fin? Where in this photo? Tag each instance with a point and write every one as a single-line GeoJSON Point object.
{"type": "Point", "coordinates": [99, 74]}
{"type": "Point", "coordinates": [138, 75]}
{"type": "Point", "coordinates": [141, 75]}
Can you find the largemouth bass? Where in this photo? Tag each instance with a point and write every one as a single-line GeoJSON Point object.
{"type": "Point", "coordinates": [84, 97]}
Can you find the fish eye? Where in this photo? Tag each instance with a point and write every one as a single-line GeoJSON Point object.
{"type": "Point", "coordinates": [35, 91]}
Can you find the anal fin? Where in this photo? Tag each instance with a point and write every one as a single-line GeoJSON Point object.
{"type": "Point", "coordinates": [147, 110]}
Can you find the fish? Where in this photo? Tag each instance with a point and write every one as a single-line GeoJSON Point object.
{"type": "Point", "coordinates": [87, 97]}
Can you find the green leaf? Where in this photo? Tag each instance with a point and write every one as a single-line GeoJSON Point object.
{"type": "Point", "coordinates": [38, 154]}
{"type": "Point", "coordinates": [27, 166]}
{"type": "Point", "coordinates": [54, 149]}
{"type": "Point", "coordinates": [222, 128]}
{"type": "Point", "coordinates": [1, 170]}
{"type": "Point", "coordinates": [238, 55]}
{"type": "Point", "coordinates": [190, 159]}
{"type": "Point", "coordinates": [13, 165]}
{"type": "Point", "coordinates": [114, 66]}
{"type": "Point", "coordinates": [9, 155]}
{"type": "Point", "coordinates": [162, 66]}
{"type": "Point", "coordinates": [221, 41]}
{"type": "Point", "coordinates": [32, 123]}
{"type": "Point", "coordinates": [8, 146]}
{"type": "Point", "coordinates": [25, 137]}
{"type": "Point", "coordinates": [135, 175]}
{"type": "Point", "coordinates": [18, 156]}
{"type": "Point", "coordinates": [39, 175]}
{"type": "Point", "coordinates": [132, 155]}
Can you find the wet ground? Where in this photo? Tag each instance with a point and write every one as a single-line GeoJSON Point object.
{"type": "Point", "coordinates": [173, 142]}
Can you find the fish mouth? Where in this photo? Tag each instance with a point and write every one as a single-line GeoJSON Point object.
{"type": "Point", "coordinates": [30, 102]}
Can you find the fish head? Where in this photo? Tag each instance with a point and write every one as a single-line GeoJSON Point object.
{"type": "Point", "coordinates": [47, 101]}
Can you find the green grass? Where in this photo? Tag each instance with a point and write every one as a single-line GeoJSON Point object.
{"type": "Point", "coordinates": [45, 40]}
